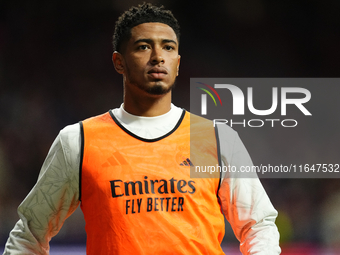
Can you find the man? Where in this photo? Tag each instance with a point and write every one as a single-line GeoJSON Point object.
{"type": "Point", "coordinates": [130, 168]}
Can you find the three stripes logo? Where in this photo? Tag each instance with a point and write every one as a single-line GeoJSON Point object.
{"type": "Point", "coordinates": [204, 97]}
{"type": "Point", "coordinates": [186, 162]}
{"type": "Point", "coordinates": [116, 159]}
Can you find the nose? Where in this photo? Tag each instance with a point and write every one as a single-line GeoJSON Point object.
{"type": "Point", "coordinates": [156, 56]}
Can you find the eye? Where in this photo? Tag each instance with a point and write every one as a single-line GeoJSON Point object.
{"type": "Point", "coordinates": [143, 47]}
{"type": "Point", "coordinates": [169, 47]}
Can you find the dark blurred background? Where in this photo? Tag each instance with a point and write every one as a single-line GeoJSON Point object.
{"type": "Point", "coordinates": [56, 69]}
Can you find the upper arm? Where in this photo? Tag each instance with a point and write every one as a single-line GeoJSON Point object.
{"type": "Point", "coordinates": [53, 198]}
{"type": "Point", "coordinates": [243, 199]}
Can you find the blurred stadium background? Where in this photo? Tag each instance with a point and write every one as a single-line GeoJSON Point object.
{"type": "Point", "coordinates": [55, 69]}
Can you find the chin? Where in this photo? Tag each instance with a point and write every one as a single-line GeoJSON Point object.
{"type": "Point", "coordinates": [159, 89]}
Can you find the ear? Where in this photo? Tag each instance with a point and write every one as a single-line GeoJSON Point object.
{"type": "Point", "coordinates": [118, 62]}
{"type": "Point", "coordinates": [179, 60]}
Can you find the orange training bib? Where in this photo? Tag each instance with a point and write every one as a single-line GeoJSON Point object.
{"type": "Point", "coordinates": [137, 195]}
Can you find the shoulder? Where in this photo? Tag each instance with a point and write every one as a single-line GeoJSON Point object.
{"type": "Point", "coordinates": [69, 140]}
{"type": "Point", "coordinates": [225, 131]}
{"type": "Point", "coordinates": [195, 119]}
{"type": "Point", "coordinates": [70, 132]}
{"type": "Point", "coordinates": [107, 116]}
{"type": "Point", "coordinates": [199, 124]}
{"type": "Point", "coordinates": [71, 135]}
{"type": "Point", "coordinates": [222, 129]}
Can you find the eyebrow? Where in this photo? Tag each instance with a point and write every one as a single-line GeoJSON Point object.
{"type": "Point", "coordinates": [150, 41]}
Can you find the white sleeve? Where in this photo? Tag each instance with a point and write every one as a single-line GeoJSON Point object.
{"type": "Point", "coordinates": [244, 201]}
{"type": "Point", "coordinates": [54, 197]}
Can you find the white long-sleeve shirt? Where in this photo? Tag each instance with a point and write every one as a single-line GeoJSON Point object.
{"type": "Point", "coordinates": [56, 193]}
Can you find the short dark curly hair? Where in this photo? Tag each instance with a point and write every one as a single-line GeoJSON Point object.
{"type": "Point", "coordinates": [135, 16]}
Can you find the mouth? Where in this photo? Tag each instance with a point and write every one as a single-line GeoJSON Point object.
{"type": "Point", "coordinates": [157, 72]}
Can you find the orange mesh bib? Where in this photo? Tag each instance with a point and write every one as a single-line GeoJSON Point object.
{"type": "Point", "coordinates": [137, 195]}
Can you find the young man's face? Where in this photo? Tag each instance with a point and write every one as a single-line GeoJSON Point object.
{"type": "Point", "coordinates": [150, 60]}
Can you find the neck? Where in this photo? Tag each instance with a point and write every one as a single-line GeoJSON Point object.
{"type": "Point", "coordinates": [147, 106]}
